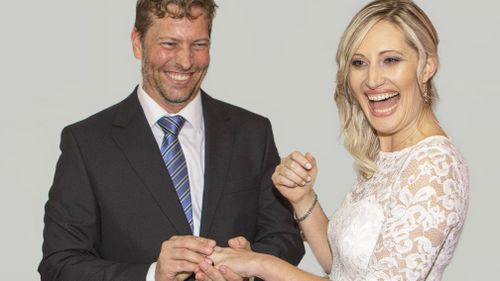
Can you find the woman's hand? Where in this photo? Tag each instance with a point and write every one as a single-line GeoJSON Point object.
{"type": "Point", "coordinates": [241, 261]}
{"type": "Point", "coordinates": [218, 272]}
{"type": "Point", "coordinates": [230, 263]}
{"type": "Point", "coordinates": [208, 272]}
{"type": "Point", "coordinates": [294, 177]}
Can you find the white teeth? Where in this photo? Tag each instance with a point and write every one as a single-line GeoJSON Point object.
{"type": "Point", "coordinates": [385, 110]}
{"type": "Point", "coordinates": [382, 96]}
{"type": "Point", "coordinates": [178, 76]}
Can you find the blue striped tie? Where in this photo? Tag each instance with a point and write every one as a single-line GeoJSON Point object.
{"type": "Point", "coordinates": [173, 157]}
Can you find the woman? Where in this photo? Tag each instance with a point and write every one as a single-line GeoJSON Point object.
{"type": "Point", "coordinates": [404, 215]}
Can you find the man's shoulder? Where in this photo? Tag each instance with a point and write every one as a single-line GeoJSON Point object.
{"type": "Point", "coordinates": [235, 112]}
{"type": "Point", "coordinates": [106, 117]}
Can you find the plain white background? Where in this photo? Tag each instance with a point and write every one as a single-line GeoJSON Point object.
{"type": "Point", "coordinates": [65, 60]}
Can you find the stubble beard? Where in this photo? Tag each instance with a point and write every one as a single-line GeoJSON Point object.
{"type": "Point", "coordinates": [155, 82]}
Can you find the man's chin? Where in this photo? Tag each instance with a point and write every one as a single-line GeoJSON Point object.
{"type": "Point", "coordinates": [178, 100]}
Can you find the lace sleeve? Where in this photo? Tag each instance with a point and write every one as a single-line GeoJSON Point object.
{"type": "Point", "coordinates": [424, 217]}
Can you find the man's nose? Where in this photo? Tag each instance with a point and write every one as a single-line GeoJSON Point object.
{"type": "Point", "coordinates": [184, 58]}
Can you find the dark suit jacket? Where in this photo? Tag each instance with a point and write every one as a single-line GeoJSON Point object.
{"type": "Point", "coordinates": [112, 202]}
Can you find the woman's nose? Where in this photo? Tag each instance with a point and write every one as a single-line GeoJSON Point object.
{"type": "Point", "coordinates": [375, 77]}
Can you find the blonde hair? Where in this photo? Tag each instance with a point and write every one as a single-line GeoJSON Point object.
{"type": "Point", "coordinates": [360, 139]}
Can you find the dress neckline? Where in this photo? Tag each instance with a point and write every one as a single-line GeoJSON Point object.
{"type": "Point", "coordinates": [384, 154]}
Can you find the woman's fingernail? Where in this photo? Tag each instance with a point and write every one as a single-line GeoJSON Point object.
{"type": "Point", "coordinates": [308, 166]}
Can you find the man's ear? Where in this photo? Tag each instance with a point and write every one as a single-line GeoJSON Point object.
{"type": "Point", "coordinates": [135, 36]}
{"type": "Point", "coordinates": [430, 68]}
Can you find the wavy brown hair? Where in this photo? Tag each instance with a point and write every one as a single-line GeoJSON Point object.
{"type": "Point", "coordinates": [146, 9]}
{"type": "Point", "coordinates": [360, 139]}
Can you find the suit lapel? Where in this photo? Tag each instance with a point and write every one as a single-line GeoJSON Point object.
{"type": "Point", "coordinates": [133, 135]}
{"type": "Point", "coordinates": [218, 149]}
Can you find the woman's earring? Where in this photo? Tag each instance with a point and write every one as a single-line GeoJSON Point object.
{"type": "Point", "coordinates": [425, 95]}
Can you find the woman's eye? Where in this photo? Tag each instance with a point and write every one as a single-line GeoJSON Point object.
{"type": "Point", "coordinates": [391, 60]}
{"type": "Point", "coordinates": [357, 63]}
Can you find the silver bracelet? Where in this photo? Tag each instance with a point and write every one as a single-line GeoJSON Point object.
{"type": "Point", "coordinates": [309, 211]}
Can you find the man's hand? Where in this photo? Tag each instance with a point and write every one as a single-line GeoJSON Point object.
{"type": "Point", "coordinates": [180, 257]}
{"type": "Point", "coordinates": [239, 242]}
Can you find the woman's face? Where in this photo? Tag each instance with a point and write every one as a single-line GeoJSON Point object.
{"type": "Point", "coordinates": [383, 79]}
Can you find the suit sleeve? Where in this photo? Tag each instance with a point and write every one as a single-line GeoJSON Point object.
{"type": "Point", "coordinates": [72, 226]}
{"type": "Point", "coordinates": [278, 233]}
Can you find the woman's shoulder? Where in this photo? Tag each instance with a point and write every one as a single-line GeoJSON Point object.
{"type": "Point", "coordinates": [437, 160]}
{"type": "Point", "coordinates": [436, 149]}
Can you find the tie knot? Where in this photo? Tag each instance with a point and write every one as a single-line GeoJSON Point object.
{"type": "Point", "coordinates": [171, 124]}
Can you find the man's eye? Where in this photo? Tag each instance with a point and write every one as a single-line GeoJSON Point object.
{"type": "Point", "coordinates": [168, 44]}
{"type": "Point", "coordinates": [200, 45]}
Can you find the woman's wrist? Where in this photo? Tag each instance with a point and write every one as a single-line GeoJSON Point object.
{"type": "Point", "coordinates": [305, 205]}
{"type": "Point", "coordinates": [308, 212]}
{"type": "Point", "coordinates": [263, 266]}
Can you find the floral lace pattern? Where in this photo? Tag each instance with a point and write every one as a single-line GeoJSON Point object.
{"type": "Point", "coordinates": [404, 223]}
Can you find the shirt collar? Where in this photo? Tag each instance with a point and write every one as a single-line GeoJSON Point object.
{"type": "Point", "coordinates": [192, 112]}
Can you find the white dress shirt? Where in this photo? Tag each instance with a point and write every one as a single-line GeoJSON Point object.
{"type": "Point", "coordinates": [192, 140]}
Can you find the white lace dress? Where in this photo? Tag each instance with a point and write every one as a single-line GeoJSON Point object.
{"type": "Point", "coordinates": [404, 223]}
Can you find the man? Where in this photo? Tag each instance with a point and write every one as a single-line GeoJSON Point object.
{"type": "Point", "coordinates": [145, 189]}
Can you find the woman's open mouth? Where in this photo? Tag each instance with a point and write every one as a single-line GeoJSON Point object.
{"type": "Point", "coordinates": [383, 104]}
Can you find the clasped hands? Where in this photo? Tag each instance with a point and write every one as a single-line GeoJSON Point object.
{"type": "Point", "coordinates": [181, 256]}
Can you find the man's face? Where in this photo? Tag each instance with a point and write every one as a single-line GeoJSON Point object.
{"type": "Point", "coordinates": [175, 57]}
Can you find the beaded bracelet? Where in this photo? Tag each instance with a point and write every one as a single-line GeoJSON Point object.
{"type": "Point", "coordinates": [309, 211]}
